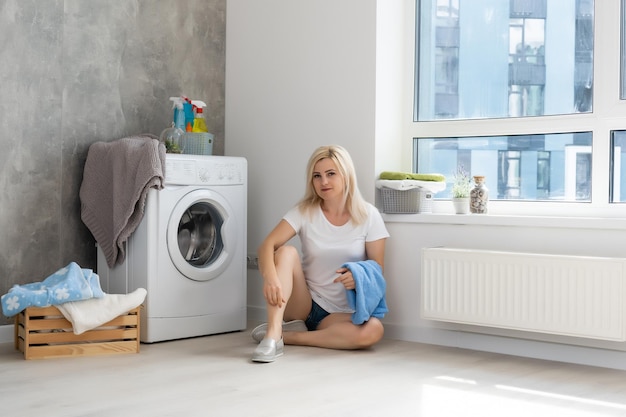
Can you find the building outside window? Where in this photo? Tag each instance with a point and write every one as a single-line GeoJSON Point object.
{"type": "Point", "coordinates": [505, 88]}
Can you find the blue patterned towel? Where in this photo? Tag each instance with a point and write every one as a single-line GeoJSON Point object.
{"type": "Point", "coordinates": [67, 284]}
{"type": "Point", "coordinates": [368, 298]}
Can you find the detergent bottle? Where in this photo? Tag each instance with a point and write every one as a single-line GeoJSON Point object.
{"type": "Point", "coordinates": [199, 123]}
{"type": "Point", "coordinates": [172, 137]}
{"type": "Point", "coordinates": [179, 113]}
{"type": "Point", "coordinates": [188, 107]}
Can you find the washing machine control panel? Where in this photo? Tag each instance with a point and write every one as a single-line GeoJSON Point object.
{"type": "Point", "coordinates": [204, 170]}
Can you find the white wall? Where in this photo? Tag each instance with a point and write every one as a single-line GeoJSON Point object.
{"type": "Point", "coordinates": [300, 74]}
{"type": "Point", "coordinates": [597, 237]}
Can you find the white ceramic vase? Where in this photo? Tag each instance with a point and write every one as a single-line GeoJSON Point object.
{"type": "Point", "coordinates": [461, 205]}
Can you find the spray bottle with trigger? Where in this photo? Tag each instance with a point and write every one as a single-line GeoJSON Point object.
{"type": "Point", "coordinates": [199, 123]}
{"type": "Point", "coordinates": [179, 113]}
{"type": "Point", "coordinates": [189, 116]}
{"type": "Point", "coordinates": [172, 136]}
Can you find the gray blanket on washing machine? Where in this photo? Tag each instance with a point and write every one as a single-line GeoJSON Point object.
{"type": "Point", "coordinates": [116, 180]}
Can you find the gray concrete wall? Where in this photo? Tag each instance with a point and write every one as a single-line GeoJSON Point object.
{"type": "Point", "coordinates": [74, 72]}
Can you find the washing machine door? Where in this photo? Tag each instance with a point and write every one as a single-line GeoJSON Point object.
{"type": "Point", "coordinates": [201, 235]}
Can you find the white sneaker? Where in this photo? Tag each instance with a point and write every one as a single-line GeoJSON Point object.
{"type": "Point", "coordinates": [258, 333]}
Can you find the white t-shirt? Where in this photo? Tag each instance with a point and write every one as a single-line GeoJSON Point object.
{"type": "Point", "coordinates": [325, 247]}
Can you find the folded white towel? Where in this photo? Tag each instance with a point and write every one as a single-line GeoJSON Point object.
{"type": "Point", "coordinates": [94, 312]}
{"type": "Point", "coordinates": [432, 186]}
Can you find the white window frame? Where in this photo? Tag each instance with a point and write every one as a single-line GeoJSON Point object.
{"type": "Point", "coordinates": [609, 113]}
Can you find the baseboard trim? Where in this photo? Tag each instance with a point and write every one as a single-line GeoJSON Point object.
{"type": "Point", "coordinates": [555, 352]}
{"type": "Point", "coordinates": [7, 333]}
{"type": "Point", "coordinates": [257, 314]}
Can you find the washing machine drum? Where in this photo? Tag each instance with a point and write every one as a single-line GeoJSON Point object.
{"type": "Point", "coordinates": [202, 235]}
{"type": "Point", "coordinates": [199, 239]}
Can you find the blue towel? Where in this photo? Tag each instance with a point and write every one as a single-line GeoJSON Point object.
{"type": "Point", "coordinates": [368, 298]}
{"type": "Point", "coordinates": [70, 283]}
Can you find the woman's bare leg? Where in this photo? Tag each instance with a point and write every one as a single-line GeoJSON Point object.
{"type": "Point", "coordinates": [337, 331]}
{"type": "Point", "coordinates": [295, 291]}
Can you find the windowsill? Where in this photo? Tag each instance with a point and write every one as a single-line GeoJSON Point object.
{"type": "Point", "coordinates": [509, 220]}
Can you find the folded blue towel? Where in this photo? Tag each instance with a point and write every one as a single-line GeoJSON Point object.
{"type": "Point", "coordinates": [368, 298]}
{"type": "Point", "coordinates": [70, 283]}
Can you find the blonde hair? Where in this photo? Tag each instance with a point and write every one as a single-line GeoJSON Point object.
{"type": "Point", "coordinates": [352, 199]}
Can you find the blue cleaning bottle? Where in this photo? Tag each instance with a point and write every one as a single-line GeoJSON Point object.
{"type": "Point", "coordinates": [179, 113]}
{"type": "Point", "coordinates": [189, 116]}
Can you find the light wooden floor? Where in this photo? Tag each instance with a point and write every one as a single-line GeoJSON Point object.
{"type": "Point", "coordinates": [213, 376]}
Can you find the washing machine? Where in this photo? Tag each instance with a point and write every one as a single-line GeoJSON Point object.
{"type": "Point", "coordinates": [189, 251]}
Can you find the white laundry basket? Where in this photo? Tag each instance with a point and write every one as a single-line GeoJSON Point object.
{"type": "Point", "coordinates": [425, 201]}
{"type": "Point", "coordinates": [399, 201]}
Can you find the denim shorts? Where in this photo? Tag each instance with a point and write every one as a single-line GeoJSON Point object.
{"type": "Point", "coordinates": [316, 315]}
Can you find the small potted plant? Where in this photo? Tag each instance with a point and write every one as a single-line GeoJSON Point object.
{"type": "Point", "coordinates": [461, 188]}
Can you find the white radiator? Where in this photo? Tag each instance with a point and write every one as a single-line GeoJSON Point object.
{"type": "Point", "coordinates": [565, 295]}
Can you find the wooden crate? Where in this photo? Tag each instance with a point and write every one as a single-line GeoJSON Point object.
{"type": "Point", "coordinates": [45, 333]}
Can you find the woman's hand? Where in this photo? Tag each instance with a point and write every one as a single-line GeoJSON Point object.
{"type": "Point", "coordinates": [273, 293]}
{"type": "Point", "coordinates": [345, 278]}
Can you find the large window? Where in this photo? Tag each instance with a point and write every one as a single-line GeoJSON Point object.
{"type": "Point", "coordinates": [506, 89]}
{"type": "Point", "coordinates": [551, 167]}
{"type": "Point", "coordinates": [504, 58]}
